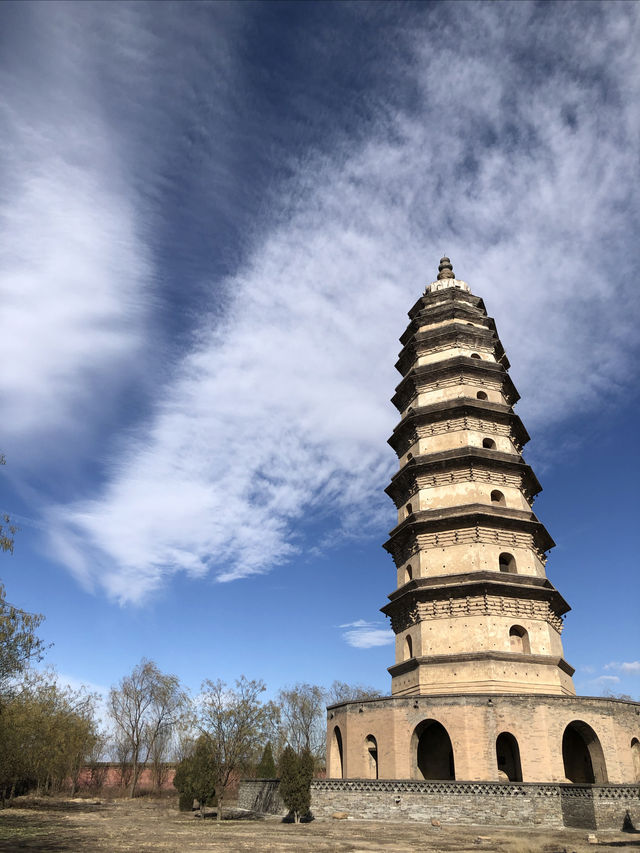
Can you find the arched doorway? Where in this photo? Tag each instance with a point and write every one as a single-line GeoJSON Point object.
{"type": "Point", "coordinates": [582, 755]}
{"type": "Point", "coordinates": [337, 769]}
{"type": "Point", "coordinates": [432, 751]}
{"type": "Point", "coordinates": [508, 757]}
{"type": "Point", "coordinates": [635, 754]}
{"type": "Point", "coordinates": [371, 747]}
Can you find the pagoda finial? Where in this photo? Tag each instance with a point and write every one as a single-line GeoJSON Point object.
{"type": "Point", "coordinates": [445, 269]}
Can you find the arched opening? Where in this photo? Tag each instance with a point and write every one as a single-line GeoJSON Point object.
{"type": "Point", "coordinates": [519, 640]}
{"type": "Point", "coordinates": [635, 754]}
{"type": "Point", "coordinates": [507, 563]}
{"type": "Point", "coordinates": [474, 355]}
{"type": "Point", "coordinates": [582, 755]}
{"type": "Point", "coordinates": [431, 746]}
{"type": "Point", "coordinates": [482, 395]}
{"type": "Point", "coordinates": [409, 509]}
{"type": "Point", "coordinates": [498, 498]}
{"type": "Point", "coordinates": [489, 443]}
{"type": "Point", "coordinates": [409, 457]}
{"type": "Point", "coordinates": [508, 757]}
{"type": "Point", "coordinates": [408, 574]}
{"type": "Point", "coordinates": [408, 647]}
{"type": "Point", "coordinates": [371, 747]}
{"type": "Point", "coordinates": [337, 770]}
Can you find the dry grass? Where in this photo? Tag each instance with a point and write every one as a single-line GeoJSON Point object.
{"type": "Point", "coordinates": [145, 824]}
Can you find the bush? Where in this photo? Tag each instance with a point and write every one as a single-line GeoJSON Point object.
{"type": "Point", "coordinates": [267, 767]}
{"type": "Point", "coordinates": [195, 776]}
{"type": "Point", "coordinates": [296, 773]}
{"type": "Point", "coordinates": [185, 801]}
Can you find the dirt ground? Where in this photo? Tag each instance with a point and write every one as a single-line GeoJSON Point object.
{"type": "Point", "coordinates": [80, 826]}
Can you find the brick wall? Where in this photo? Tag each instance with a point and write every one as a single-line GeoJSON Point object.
{"type": "Point", "coordinates": [479, 803]}
{"type": "Point", "coordinates": [261, 795]}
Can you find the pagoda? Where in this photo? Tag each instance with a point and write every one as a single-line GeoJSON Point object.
{"type": "Point", "coordinates": [473, 609]}
{"type": "Point", "coordinates": [480, 688]}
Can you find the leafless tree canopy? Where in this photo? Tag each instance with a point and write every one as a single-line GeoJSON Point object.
{"type": "Point", "coordinates": [144, 708]}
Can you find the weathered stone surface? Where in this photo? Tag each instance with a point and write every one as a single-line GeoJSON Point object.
{"type": "Point", "coordinates": [261, 795]}
{"type": "Point", "coordinates": [478, 803]}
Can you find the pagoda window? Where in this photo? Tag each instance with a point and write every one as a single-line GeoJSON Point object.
{"type": "Point", "coordinates": [489, 443]}
{"type": "Point", "coordinates": [371, 747]}
{"type": "Point", "coordinates": [409, 510]}
{"type": "Point", "coordinates": [408, 648]}
{"type": "Point", "coordinates": [498, 498]}
{"type": "Point", "coordinates": [482, 395]}
{"type": "Point", "coordinates": [507, 563]}
{"type": "Point", "coordinates": [408, 574]}
{"type": "Point", "coordinates": [475, 355]}
{"type": "Point", "coordinates": [635, 755]}
{"type": "Point", "coordinates": [519, 640]}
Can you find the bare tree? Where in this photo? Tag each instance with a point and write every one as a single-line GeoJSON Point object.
{"type": "Point", "coordinates": [234, 723]}
{"type": "Point", "coordinates": [143, 707]}
{"type": "Point", "coordinates": [159, 754]}
{"type": "Point", "coordinates": [340, 691]}
{"type": "Point", "coordinates": [302, 718]}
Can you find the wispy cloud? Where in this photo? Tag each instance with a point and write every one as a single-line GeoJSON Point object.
{"type": "Point", "coordinates": [367, 635]}
{"type": "Point", "coordinates": [73, 267]}
{"type": "Point", "coordinates": [605, 680]}
{"type": "Point", "coordinates": [277, 413]}
{"type": "Point", "coordinates": [627, 667]}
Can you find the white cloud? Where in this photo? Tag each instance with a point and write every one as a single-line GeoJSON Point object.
{"type": "Point", "coordinates": [604, 680]}
{"type": "Point", "coordinates": [279, 413]}
{"type": "Point", "coordinates": [628, 667]}
{"type": "Point", "coordinates": [72, 265]}
{"type": "Point", "coordinates": [367, 635]}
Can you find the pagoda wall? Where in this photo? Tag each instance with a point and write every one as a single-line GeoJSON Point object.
{"type": "Point", "coordinates": [473, 723]}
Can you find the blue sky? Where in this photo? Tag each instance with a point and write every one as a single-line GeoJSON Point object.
{"type": "Point", "coordinates": [213, 220]}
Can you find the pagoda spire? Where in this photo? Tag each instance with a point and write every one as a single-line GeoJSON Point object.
{"type": "Point", "coordinates": [445, 269]}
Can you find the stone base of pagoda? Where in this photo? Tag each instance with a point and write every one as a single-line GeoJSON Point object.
{"type": "Point", "coordinates": [486, 737]}
{"type": "Point", "coordinates": [601, 807]}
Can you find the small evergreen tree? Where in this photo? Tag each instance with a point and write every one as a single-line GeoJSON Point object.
{"type": "Point", "coordinates": [267, 767]}
{"type": "Point", "coordinates": [307, 769]}
{"type": "Point", "coordinates": [195, 776]}
{"type": "Point", "coordinates": [296, 773]}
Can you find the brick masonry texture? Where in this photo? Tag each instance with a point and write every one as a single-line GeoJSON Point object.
{"type": "Point", "coordinates": [479, 803]}
{"type": "Point", "coordinates": [473, 723]}
{"type": "Point", "coordinates": [459, 803]}
{"type": "Point", "coordinates": [261, 795]}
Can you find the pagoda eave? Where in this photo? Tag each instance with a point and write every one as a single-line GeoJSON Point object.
{"type": "Point", "coordinates": [423, 342]}
{"type": "Point", "coordinates": [458, 364]}
{"type": "Point", "coordinates": [507, 657]}
{"type": "Point", "coordinates": [468, 515]}
{"type": "Point", "coordinates": [473, 458]}
{"type": "Point", "coordinates": [470, 584]}
{"type": "Point", "coordinates": [458, 407]}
